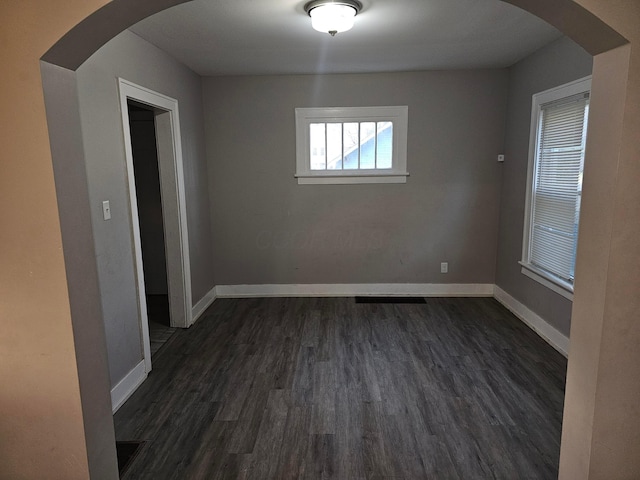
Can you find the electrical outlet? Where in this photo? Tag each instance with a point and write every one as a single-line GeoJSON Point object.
{"type": "Point", "coordinates": [444, 267]}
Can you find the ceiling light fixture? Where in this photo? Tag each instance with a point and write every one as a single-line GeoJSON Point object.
{"type": "Point", "coordinates": [332, 16]}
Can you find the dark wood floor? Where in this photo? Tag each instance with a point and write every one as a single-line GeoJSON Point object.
{"type": "Point", "coordinates": [326, 388]}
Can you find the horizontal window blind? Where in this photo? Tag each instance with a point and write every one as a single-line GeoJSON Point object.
{"type": "Point", "coordinates": [557, 185]}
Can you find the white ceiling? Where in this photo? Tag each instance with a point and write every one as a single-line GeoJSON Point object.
{"type": "Point", "coordinates": [254, 37]}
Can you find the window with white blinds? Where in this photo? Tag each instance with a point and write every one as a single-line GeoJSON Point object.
{"type": "Point", "coordinates": [559, 132]}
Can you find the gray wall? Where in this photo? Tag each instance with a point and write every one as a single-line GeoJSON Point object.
{"type": "Point", "coordinates": [558, 63]}
{"type": "Point", "coordinates": [130, 57]}
{"type": "Point", "coordinates": [269, 229]}
{"type": "Point", "coordinates": [80, 269]}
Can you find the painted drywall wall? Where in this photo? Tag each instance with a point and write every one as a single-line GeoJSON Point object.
{"type": "Point", "coordinates": [42, 413]}
{"type": "Point", "coordinates": [558, 63]}
{"type": "Point", "coordinates": [130, 57]}
{"type": "Point", "coordinates": [63, 115]}
{"type": "Point", "coordinates": [270, 230]}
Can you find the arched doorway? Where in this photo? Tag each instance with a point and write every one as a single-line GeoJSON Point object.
{"type": "Point", "coordinates": [605, 244]}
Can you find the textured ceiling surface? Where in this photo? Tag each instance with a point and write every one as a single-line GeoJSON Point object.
{"type": "Point", "coordinates": [254, 37]}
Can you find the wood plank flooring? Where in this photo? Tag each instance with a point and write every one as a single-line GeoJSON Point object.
{"type": "Point", "coordinates": [327, 388]}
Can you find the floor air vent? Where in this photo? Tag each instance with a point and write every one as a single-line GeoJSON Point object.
{"type": "Point", "coordinates": [390, 300]}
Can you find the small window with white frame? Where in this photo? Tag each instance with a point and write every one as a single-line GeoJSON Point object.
{"type": "Point", "coordinates": [559, 121]}
{"type": "Point", "coordinates": [349, 145]}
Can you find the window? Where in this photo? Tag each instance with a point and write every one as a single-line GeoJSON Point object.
{"type": "Point", "coordinates": [556, 161]}
{"type": "Point", "coordinates": [351, 145]}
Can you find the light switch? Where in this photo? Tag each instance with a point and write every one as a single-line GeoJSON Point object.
{"type": "Point", "coordinates": [106, 210]}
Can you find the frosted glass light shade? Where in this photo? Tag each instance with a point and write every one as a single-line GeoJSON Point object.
{"type": "Point", "coordinates": [332, 18]}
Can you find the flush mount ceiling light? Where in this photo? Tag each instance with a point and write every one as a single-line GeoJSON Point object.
{"type": "Point", "coordinates": [332, 16]}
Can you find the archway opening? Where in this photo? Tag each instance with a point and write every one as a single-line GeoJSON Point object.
{"type": "Point", "coordinates": [571, 18]}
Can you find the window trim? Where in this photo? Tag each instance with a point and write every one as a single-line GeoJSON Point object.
{"type": "Point", "coordinates": [543, 277]}
{"type": "Point", "coordinates": [396, 174]}
{"type": "Point", "coordinates": [548, 280]}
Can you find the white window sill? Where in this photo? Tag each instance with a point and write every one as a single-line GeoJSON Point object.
{"type": "Point", "coordinates": [346, 179]}
{"type": "Point", "coordinates": [557, 285]}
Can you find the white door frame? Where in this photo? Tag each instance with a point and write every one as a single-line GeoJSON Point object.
{"type": "Point", "coordinates": [173, 207]}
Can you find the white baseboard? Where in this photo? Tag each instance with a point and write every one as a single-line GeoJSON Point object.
{"type": "Point", "coordinates": [125, 387]}
{"type": "Point", "coordinates": [351, 289]}
{"type": "Point", "coordinates": [549, 333]}
{"type": "Point", "coordinates": [204, 303]}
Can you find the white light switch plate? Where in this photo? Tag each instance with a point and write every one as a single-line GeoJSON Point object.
{"type": "Point", "coordinates": [106, 210]}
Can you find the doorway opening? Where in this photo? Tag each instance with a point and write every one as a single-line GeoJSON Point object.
{"type": "Point", "coordinates": [153, 153]}
{"type": "Point", "coordinates": [142, 126]}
